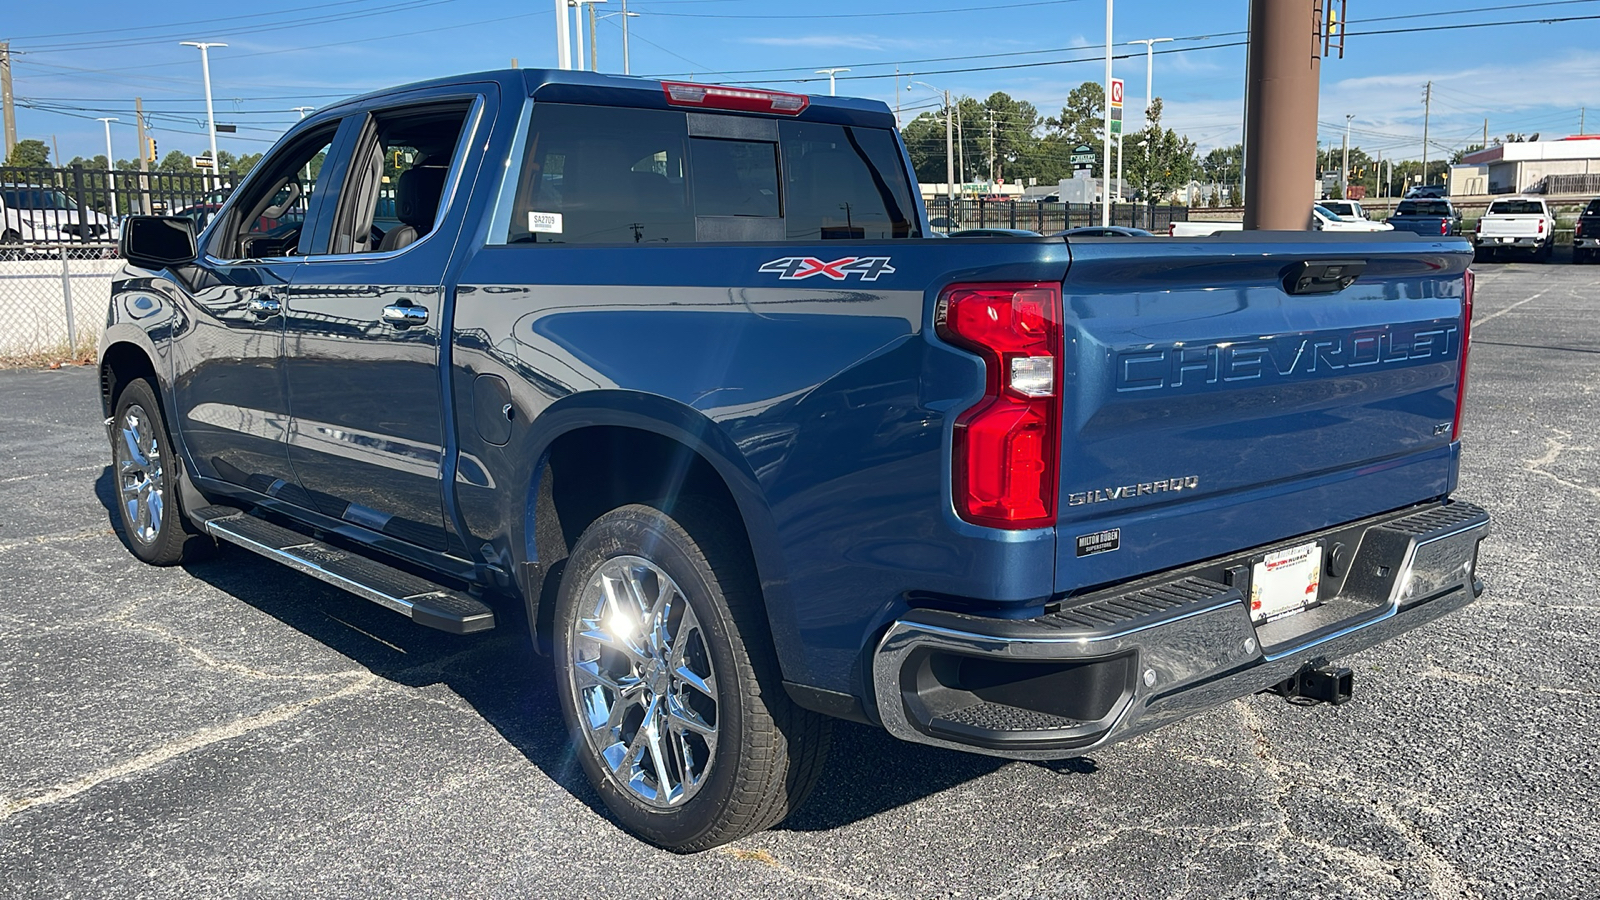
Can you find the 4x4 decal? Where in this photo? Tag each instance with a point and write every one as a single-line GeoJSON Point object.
{"type": "Point", "coordinates": [795, 268]}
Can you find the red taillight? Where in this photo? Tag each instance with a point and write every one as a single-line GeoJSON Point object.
{"type": "Point", "coordinates": [710, 96]}
{"type": "Point", "coordinates": [1577, 230]}
{"type": "Point", "coordinates": [1466, 345]}
{"type": "Point", "coordinates": [1444, 226]}
{"type": "Point", "coordinates": [1541, 226]}
{"type": "Point", "coordinates": [1007, 445]}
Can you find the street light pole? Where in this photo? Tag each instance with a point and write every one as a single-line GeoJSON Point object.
{"type": "Point", "coordinates": [626, 65]}
{"type": "Point", "coordinates": [1149, 69]}
{"type": "Point", "coordinates": [211, 117]}
{"type": "Point", "coordinates": [1344, 174]}
{"type": "Point", "coordinates": [1105, 158]}
{"type": "Point", "coordinates": [111, 166]}
{"type": "Point", "coordinates": [563, 37]}
{"type": "Point", "coordinates": [831, 73]}
{"type": "Point", "coordinates": [949, 155]}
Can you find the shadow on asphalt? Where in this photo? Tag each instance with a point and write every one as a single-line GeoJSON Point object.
{"type": "Point", "coordinates": [512, 688]}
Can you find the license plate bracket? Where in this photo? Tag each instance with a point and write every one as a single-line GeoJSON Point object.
{"type": "Point", "coordinates": [1285, 582]}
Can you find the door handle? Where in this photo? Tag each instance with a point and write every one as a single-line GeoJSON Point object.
{"type": "Point", "coordinates": [404, 315]}
{"type": "Point", "coordinates": [264, 307]}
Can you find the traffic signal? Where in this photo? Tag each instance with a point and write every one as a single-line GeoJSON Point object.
{"type": "Point", "coordinates": [152, 149]}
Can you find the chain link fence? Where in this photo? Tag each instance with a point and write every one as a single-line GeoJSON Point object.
{"type": "Point", "coordinates": [53, 299]}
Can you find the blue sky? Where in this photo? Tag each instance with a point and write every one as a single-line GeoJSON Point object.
{"type": "Point", "coordinates": [288, 53]}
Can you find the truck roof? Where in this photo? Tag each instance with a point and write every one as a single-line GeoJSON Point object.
{"type": "Point", "coordinates": [577, 86]}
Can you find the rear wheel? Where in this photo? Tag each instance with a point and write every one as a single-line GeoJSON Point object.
{"type": "Point", "coordinates": [145, 472]}
{"type": "Point", "coordinates": [669, 683]}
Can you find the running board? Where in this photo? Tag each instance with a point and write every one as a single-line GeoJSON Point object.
{"type": "Point", "coordinates": [424, 601]}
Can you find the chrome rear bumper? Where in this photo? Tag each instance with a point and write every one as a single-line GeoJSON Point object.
{"type": "Point", "coordinates": [1117, 663]}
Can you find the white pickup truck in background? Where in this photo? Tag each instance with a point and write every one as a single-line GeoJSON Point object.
{"type": "Point", "coordinates": [1322, 219]}
{"type": "Point", "coordinates": [1516, 223]}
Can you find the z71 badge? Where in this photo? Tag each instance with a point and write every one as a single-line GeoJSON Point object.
{"type": "Point", "coordinates": [796, 268]}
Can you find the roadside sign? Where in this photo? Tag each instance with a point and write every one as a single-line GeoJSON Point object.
{"type": "Point", "coordinates": [203, 162]}
{"type": "Point", "coordinates": [1083, 155]}
{"type": "Point", "coordinates": [1116, 126]}
{"type": "Point", "coordinates": [1116, 93]}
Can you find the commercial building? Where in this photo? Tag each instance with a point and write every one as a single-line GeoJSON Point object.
{"type": "Point", "coordinates": [1568, 165]}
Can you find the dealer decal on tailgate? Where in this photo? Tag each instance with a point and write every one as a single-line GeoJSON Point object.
{"type": "Point", "coordinates": [796, 268]}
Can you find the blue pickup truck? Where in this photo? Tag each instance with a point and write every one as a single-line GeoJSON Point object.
{"type": "Point", "coordinates": [672, 373]}
{"type": "Point", "coordinates": [1429, 218]}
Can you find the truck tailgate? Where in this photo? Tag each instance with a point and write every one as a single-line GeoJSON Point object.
{"type": "Point", "coordinates": [1207, 410]}
{"type": "Point", "coordinates": [1511, 226]}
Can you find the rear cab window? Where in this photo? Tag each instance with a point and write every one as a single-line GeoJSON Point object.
{"type": "Point", "coordinates": [1516, 208]}
{"type": "Point", "coordinates": [618, 175]}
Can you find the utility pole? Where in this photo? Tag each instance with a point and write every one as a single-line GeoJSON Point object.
{"type": "Point", "coordinates": [1383, 189]}
{"type": "Point", "coordinates": [111, 165]}
{"type": "Point", "coordinates": [10, 109]}
{"type": "Point", "coordinates": [563, 37]}
{"type": "Point", "coordinates": [144, 159]}
{"type": "Point", "coordinates": [1485, 134]}
{"type": "Point", "coordinates": [991, 147]}
{"type": "Point", "coordinates": [832, 72]}
{"type": "Point", "coordinates": [961, 148]}
{"type": "Point", "coordinates": [211, 118]}
{"type": "Point", "coordinates": [1344, 172]}
{"type": "Point", "coordinates": [594, 49]}
{"type": "Point", "coordinates": [1105, 141]}
{"type": "Point", "coordinates": [1427, 112]}
{"type": "Point", "coordinates": [949, 152]}
{"type": "Point", "coordinates": [1583, 113]}
{"type": "Point", "coordinates": [1280, 148]}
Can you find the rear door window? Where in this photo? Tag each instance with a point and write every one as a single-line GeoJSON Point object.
{"type": "Point", "coordinates": [844, 183]}
{"type": "Point", "coordinates": [615, 175]}
{"type": "Point", "coordinates": [603, 175]}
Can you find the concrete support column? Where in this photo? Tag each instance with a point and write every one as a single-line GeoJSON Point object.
{"type": "Point", "coordinates": [1280, 152]}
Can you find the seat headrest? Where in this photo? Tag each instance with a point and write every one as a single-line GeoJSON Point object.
{"type": "Point", "coordinates": [416, 195]}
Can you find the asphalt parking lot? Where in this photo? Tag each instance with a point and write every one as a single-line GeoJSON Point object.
{"type": "Point", "coordinates": [237, 729]}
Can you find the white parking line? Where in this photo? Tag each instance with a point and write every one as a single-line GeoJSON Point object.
{"type": "Point", "coordinates": [1492, 316]}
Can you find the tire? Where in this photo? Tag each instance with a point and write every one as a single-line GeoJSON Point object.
{"type": "Point", "coordinates": [10, 245]}
{"type": "Point", "coordinates": [145, 477]}
{"type": "Point", "coordinates": [738, 755]}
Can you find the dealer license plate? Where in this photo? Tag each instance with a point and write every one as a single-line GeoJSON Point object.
{"type": "Point", "coordinates": [1285, 582]}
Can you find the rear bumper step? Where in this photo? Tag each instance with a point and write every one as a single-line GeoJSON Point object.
{"type": "Point", "coordinates": [424, 601]}
{"type": "Point", "coordinates": [1117, 663]}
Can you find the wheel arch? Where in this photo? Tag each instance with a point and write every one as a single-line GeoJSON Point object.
{"type": "Point", "coordinates": [672, 450]}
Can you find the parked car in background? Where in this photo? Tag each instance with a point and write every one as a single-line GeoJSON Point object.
{"type": "Point", "coordinates": [994, 232]}
{"type": "Point", "coordinates": [1586, 234]}
{"type": "Point", "coordinates": [1201, 228]}
{"type": "Point", "coordinates": [45, 215]}
{"type": "Point", "coordinates": [1325, 219]}
{"type": "Point", "coordinates": [1104, 231]}
{"type": "Point", "coordinates": [1517, 223]}
{"type": "Point", "coordinates": [1426, 217]}
{"type": "Point", "coordinates": [1349, 210]}
{"type": "Point", "coordinates": [1426, 192]}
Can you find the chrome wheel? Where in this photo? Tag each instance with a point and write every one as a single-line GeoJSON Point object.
{"type": "Point", "coordinates": [644, 683]}
{"type": "Point", "coordinates": [138, 457]}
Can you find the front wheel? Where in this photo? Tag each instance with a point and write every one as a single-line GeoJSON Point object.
{"type": "Point", "coordinates": [144, 468]}
{"type": "Point", "coordinates": [669, 683]}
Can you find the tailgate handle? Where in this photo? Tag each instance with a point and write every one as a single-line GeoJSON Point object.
{"type": "Point", "coordinates": [1329, 276]}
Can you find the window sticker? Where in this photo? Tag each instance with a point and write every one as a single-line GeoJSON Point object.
{"type": "Point", "coordinates": [544, 222]}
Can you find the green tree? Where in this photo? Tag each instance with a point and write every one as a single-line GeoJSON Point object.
{"type": "Point", "coordinates": [1160, 161]}
{"type": "Point", "coordinates": [176, 161]}
{"type": "Point", "coordinates": [31, 153]}
{"type": "Point", "coordinates": [1081, 121]}
{"type": "Point", "coordinates": [924, 137]}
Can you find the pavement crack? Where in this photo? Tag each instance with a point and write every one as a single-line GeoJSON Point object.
{"type": "Point", "coordinates": [124, 618]}
{"type": "Point", "coordinates": [767, 859]}
{"type": "Point", "coordinates": [56, 536]}
{"type": "Point", "coordinates": [1554, 447]}
{"type": "Point", "coordinates": [150, 759]}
